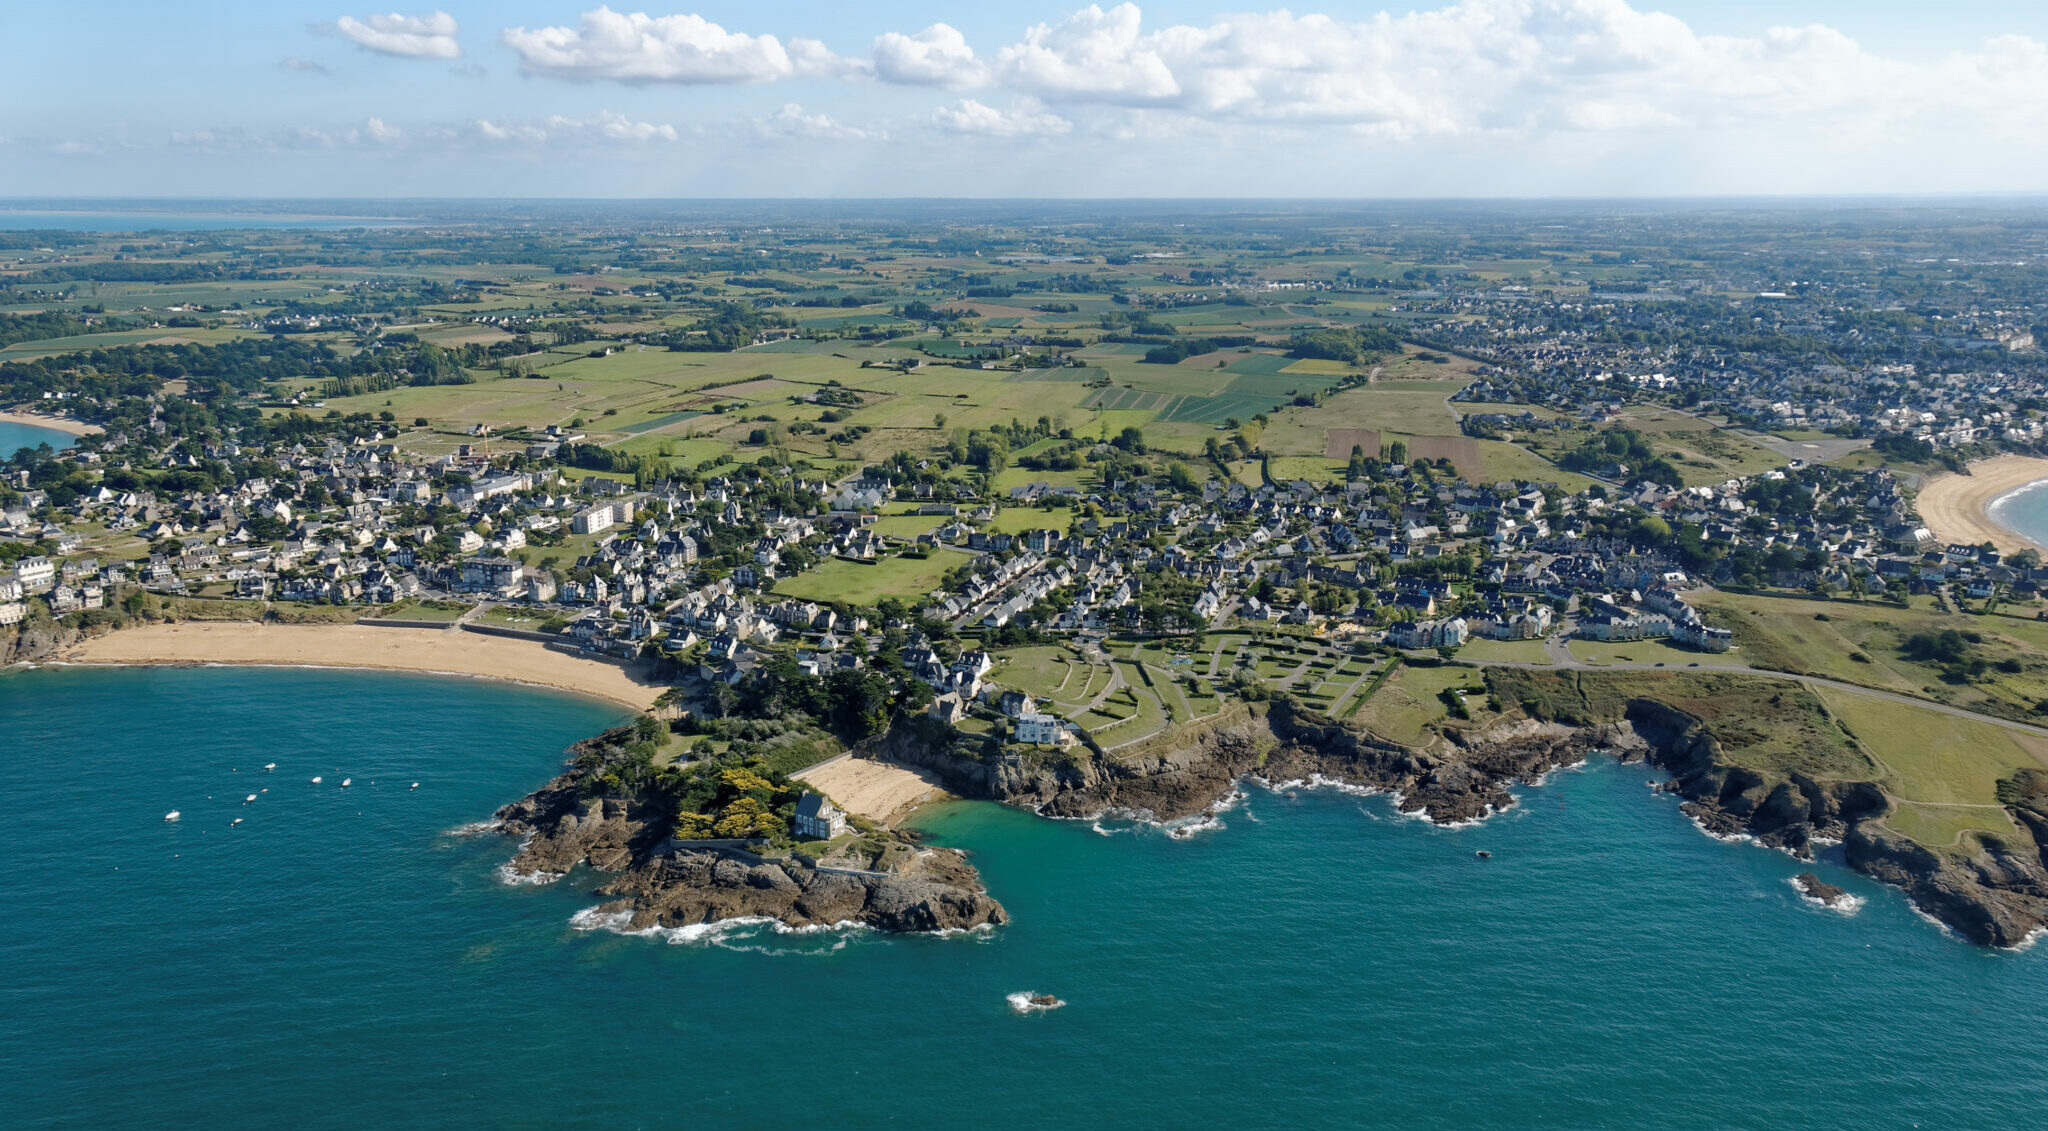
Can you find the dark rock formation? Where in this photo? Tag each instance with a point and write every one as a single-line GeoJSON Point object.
{"type": "Point", "coordinates": [1819, 890]}
{"type": "Point", "coordinates": [658, 885]}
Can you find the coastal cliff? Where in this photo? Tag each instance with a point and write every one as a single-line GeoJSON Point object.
{"type": "Point", "coordinates": [881, 880]}
{"type": "Point", "coordinates": [1992, 892]}
{"type": "Point", "coordinates": [36, 642]}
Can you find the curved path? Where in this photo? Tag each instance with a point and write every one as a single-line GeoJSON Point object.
{"type": "Point", "coordinates": [1562, 658]}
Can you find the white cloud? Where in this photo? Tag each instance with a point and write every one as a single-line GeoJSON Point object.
{"type": "Point", "coordinates": [1517, 65]}
{"type": "Point", "coordinates": [1024, 118]}
{"type": "Point", "coordinates": [1092, 54]}
{"type": "Point", "coordinates": [792, 121]}
{"type": "Point", "coordinates": [937, 56]}
{"type": "Point", "coordinates": [809, 58]}
{"type": "Point", "coordinates": [640, 48]}
{"type": "Point", "coordinates": [607, 128]}
{"type": "Point", "coordinates": [372, 133]}
{"type": "Point", "coordinates": [414, 37]}
{"type": "Point", "coordinates": [303, 66]}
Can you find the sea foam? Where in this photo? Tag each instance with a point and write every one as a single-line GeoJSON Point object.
{"type": "Point", "coordinates": [1846, 905]}
{"type": "Point", "coordinates": [1020, 1002]}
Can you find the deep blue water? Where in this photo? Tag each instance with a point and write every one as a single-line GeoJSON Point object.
{"type": "Point", "coordinates": [14, 437]}
{"type": "Point", "coordinates": [342, 960]}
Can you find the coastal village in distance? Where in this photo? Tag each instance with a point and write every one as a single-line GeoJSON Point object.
{"type": "Point", "coordinates": [1090, 518]}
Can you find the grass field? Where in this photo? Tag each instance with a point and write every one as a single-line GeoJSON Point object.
{"type": "Point", "coordinates": [861, 583]}
{"type": "Point", "coordinates": [1406, 704]}
{"type": "Point", "coordinates": [1827, 637]}
{"type": "Point", "coordinates": [1518, 651]}
{"type": "Point", "coordinates": [1049, 673]}
{"type": "Point", "coordinates": [1942, 771]}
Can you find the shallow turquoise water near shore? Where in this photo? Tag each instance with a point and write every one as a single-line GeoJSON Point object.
{"type": "Point", "coordinates": [342, 960]}
{"type": "Point", "coordinates": [2024, 511]}
{"type": "Point", "coordinates": [14, 437]}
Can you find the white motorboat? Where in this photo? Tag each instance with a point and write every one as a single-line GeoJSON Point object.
{"type": "Point", "coordinates": [172, 815]}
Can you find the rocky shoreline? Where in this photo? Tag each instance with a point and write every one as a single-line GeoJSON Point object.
{"type": "Point", "coordinates": [1994, 896]}
{"type": "Point", "coordinates": [659, 883]}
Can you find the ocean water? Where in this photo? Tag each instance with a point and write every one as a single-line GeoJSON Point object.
{"type": "Point", "coordinates": [14, 437]}
{"type": "Point", "coordinates": [2024, 511]}
{"type": "Point", "coordinates": [342, 959]}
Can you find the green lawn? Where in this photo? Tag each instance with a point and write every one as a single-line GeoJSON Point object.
{"type": "Point", "coordinates": [1047, 672]}
{"type": "Point", "coordinates": [863, 584]}
{"type": "Point", "coordinates": [1518, 651]}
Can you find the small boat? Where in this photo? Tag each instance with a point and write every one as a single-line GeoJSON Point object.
{"type": "Point", "coordinates": [345, 782]}
{"type": "Point", "coordinates": [415, 785]}
{"type": "Point", "coordinates": [235, 822]}
{"type": "Point", "coordinates": [172, 815]}
{"type": "Point", "coordinates": [248, 799]}
{"type": "Point", "coordinates": [316, 781]}
{"type": "Point", "coordinates": [1483, 854]}
{"type": "Point", "coordinates": [269, 766]}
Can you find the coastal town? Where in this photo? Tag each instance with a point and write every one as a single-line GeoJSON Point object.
{"type": "Point", "coordinates": [1044, 510]}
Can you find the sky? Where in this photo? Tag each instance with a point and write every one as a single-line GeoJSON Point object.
{"type": "Point", "coordinates": [893, 98]}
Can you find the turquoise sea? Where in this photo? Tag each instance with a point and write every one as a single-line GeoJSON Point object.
{"type": "Point", "coordinates": [344, 959]}
{"type": "Point", "coordinates": [2024, 511]}
{"type": "Point", "coordinates": [14, 437]}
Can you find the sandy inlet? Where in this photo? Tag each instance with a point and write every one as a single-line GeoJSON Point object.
{"type": "Point", "coordinates": [53, 423]}
{"type": "Point", "coordinates": [879, 791]}
{"type": "Point", "coordinates": [445, 651]}
{"type": "Point", "coordinates": [1956, 507]}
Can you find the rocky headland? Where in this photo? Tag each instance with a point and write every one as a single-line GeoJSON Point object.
{"type": "Point", "coordinates": [886, 880]}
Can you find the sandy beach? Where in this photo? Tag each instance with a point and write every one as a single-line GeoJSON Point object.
{"type": "Point", "coordinates": [1954, 506]}
{"type": "Point", "coordinates": [53, 423]}
{"type": "Point", "coordinates": [363, 646]}
{"type": "Point", "coordinates": [879, 791]}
